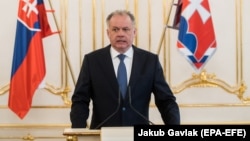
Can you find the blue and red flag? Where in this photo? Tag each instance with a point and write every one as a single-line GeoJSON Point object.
{"type": "Point", "coordinates": [196, 39]}
{"type": "Point", "coordinates": [28, 65]}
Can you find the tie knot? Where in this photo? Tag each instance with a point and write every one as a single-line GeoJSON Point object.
{"type": "Point", "coordinates": [121, 56]}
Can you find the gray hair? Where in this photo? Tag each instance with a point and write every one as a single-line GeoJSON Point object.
{"type": "Point", "coordinates": [121, 12]}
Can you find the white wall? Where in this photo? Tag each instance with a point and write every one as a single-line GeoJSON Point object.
{"type": "Point", "coordinates": [82, 26]}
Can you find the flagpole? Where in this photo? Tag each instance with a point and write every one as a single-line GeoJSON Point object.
{"type": "Point", "coordinates": [164, 29]}
{"type": "Point", "coordinates": [63, 47]}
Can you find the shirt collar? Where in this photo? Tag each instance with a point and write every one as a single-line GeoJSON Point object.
{"type": "Point", "coordinates": [128, 53]}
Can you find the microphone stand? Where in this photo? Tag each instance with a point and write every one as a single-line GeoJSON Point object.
{"type": "Point", "coordinates": [117, 109]}
{"type": "Point", "coordinates": [132, 107]}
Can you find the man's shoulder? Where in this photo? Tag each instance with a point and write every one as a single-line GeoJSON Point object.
{"type": "Point", "coordinates": [143, 51]}
{"type": "Point", "coordinates": [99, 51]}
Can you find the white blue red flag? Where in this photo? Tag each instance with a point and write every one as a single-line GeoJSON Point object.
{"type": "Point", "coordinates": [28, 65]}
{"type": "Point", "coordinates": [196, 39]}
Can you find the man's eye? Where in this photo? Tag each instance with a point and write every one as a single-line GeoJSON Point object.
{"type": "Point", "coordinates": [123, 29]}
{"type": "Point", "coordinates": [115, 29]}
{"type": "Point", "coordinates": [126, 29]}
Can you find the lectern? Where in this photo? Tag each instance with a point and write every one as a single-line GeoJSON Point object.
{"type": "Point", "coordinates": [104, 134]}
{"type": "Point", "coordinates": [77, 134]}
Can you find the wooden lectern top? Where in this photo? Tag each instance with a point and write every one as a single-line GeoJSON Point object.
{"type": "Point", "coordinates": [104, 134]}
{"type": "Point", "coordinates": [80, 132]}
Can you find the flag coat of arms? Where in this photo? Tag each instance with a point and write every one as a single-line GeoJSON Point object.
{"type": "Point", "coordinates": [196, 39]}
{"type": "Point", "coordinates": [28, 65]}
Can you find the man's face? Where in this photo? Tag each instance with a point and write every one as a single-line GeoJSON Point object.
{"type": "Point", "coordinates": [121, 32]}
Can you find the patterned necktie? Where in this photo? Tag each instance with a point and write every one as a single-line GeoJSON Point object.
{"type": "Point", "coordinates": [122, 75]}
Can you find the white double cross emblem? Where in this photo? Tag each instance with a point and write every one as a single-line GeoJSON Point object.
{"type": "Point", "coordinates": [30, 7]}
{"type": "Point", "coordinates": [195, 5]}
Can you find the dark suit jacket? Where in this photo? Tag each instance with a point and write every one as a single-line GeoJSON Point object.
{"type": "Point", "coordinates": [97, 82]}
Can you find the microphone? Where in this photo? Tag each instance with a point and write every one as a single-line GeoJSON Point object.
{"type": "Point", "coordinates": [110, 116]}
{"type": "Point", "coordinates": [132, 107]}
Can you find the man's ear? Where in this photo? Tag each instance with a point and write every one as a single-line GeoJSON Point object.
{"type": "Point", "coordinates": [107, 32]}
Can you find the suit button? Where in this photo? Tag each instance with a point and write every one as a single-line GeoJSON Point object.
{"type": "Point", "coordinates": [123, 109]}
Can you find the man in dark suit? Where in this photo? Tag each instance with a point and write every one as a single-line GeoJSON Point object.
{"type": "Point", "coordinates": [97, 82]}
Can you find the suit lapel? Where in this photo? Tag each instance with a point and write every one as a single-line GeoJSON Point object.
{"type": "Point", "coordinates": [138, 61]}
{"type": "Point", "coordinates": [106, 64]}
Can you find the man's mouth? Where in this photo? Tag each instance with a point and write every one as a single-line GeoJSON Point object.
{"type": "Point", "coordinates": [121, 41]}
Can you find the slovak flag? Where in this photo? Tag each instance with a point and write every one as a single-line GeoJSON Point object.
{"type": "Point", "coordinates": [196, 39]}
{"type": "Point", "coordinates": [28, 65]}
